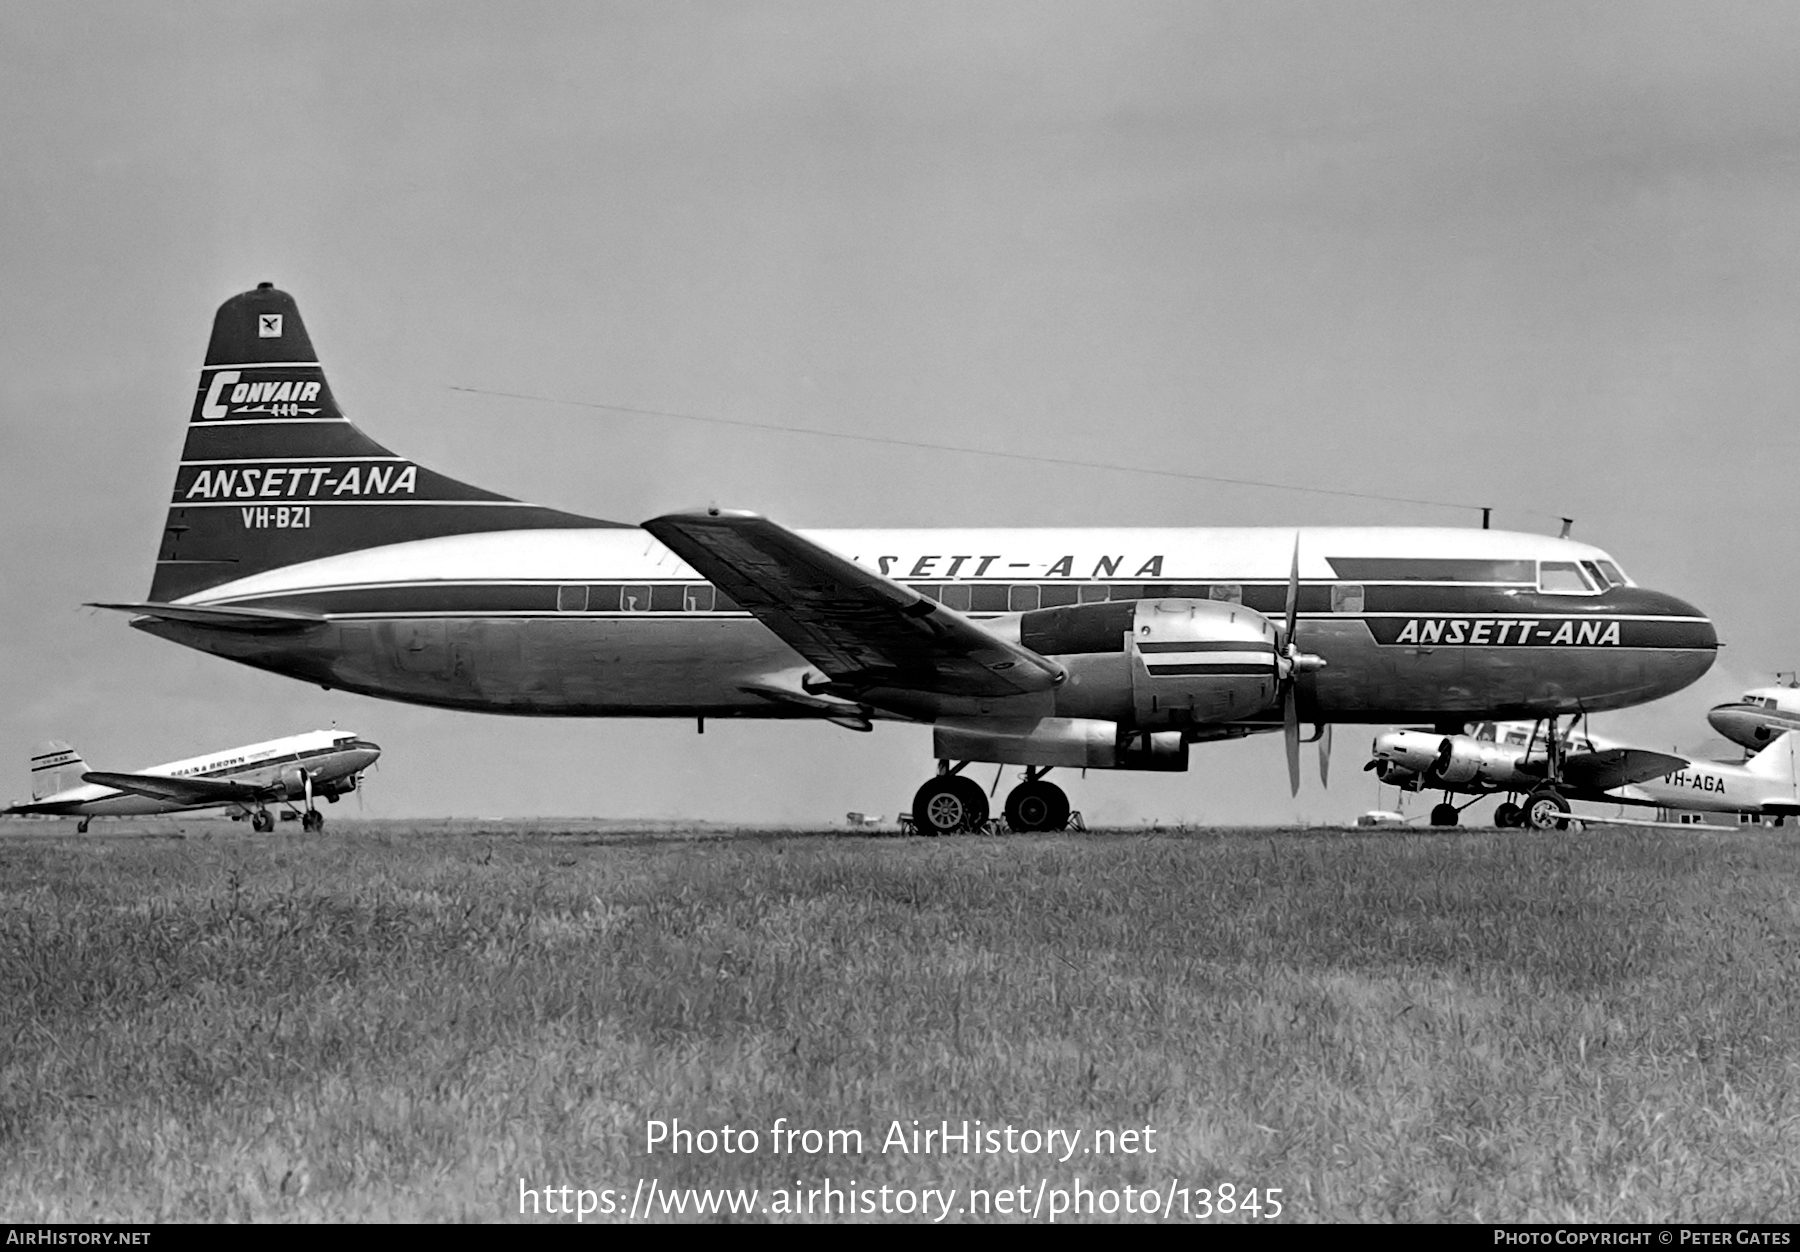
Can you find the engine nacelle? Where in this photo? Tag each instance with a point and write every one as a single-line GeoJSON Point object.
{"type": "Point", "coordinates": [1159, 664]}
{"type": "Point", "coordinates": [292, 781]}
{"type": "Point", "coordinates": [1075, 742]}
{"type": "Point", "coordinates": [1463, 760]}
{"type": "Point", "coordinates": [1414, 758]}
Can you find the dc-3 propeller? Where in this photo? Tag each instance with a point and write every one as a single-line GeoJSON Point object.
{"type": "Point", "coordinates": [1290, 663]}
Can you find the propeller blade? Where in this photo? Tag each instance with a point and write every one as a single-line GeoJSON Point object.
{"type": "Point", "coordinates": [1291, 618]}
{"type": "Point", "coordinates": [1325, 755]}
{"type": "Point", "coordinates": [1290, 728]}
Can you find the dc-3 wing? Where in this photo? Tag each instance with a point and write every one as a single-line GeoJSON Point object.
{"type": "Point", "coordinates": [1618, 767]}
{"type": "Point", "coordinates": [861, 629]}
{"type": "Point", "coordinates": [177, 790]}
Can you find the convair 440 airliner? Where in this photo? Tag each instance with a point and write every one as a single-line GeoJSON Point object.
{"type": "Point", "coordinates": [320, 763]}
{"type": "Point", "coordinates": [295, 543]}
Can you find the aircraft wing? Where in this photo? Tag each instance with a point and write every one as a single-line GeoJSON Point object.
{"type": "Point", "coordinates": [195, 791]}
{"type": "Point", "coordinates": [1618, 767]}
{"type": "Point", "coordinates": [859, 628]}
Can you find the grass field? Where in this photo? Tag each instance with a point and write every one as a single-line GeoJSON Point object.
{"type": "Point", "coordinates": [406, 1022]}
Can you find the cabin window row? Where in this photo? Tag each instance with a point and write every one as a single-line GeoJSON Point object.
{"type": "Point", "coordinates": [643, 598]}
{"type": "Point", "coordinates": [963, 597]}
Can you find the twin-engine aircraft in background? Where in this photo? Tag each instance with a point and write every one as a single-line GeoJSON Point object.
{"type": "Point", "coordinates": [295, 543]}
{"type": "Point", "coordinates": [320, 763]}
{"type": "Point", "coordinates": [1764, 714]}
{"type": "Point", "coordinates": [1521, 758]}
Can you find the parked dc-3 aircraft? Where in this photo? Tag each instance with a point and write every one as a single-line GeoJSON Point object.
{"type": "Point", "coordinates": [1515, 758]}
{"type": "Point", "coordinates": [1763, 714]}
{"type": "Point", "coordinates": [320, 763]}
{"type": "Point", "coordinates": [295, 543]}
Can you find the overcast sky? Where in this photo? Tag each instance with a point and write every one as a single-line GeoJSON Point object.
{"type": "Point", "coordinates": [1541, 257]}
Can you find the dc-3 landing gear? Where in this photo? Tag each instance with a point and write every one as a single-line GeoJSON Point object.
{"type": "Point", "coordinates": [262, 821]}
{"type": "Point", "coordinates": [312, 820]}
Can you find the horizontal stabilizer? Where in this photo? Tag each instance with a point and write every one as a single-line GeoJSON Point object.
{"type": "Point", "coordinates": [255, 620]}
{"type": "Point", "coordinates": [176, 790]}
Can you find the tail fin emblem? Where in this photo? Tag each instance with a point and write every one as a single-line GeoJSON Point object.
{"type": "Point", "coordinates": [268, 326]}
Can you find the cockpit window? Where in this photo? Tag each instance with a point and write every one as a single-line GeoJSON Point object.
{"type": "Point", "coordinates": [1593, 571]}
{"type": "Point", "coordinates": [1562, 578]}
{"type": "Point", "coordinates": [1614, 574]}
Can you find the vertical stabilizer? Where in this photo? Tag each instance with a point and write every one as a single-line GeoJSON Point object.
{"type": "Point", "coordinates": [273, 473]}
{"type": "Point", "coordinates": [55, 768]}
{"type": "Point", "coordinates": [1777, 762]}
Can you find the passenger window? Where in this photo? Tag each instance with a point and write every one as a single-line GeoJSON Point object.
{"type": "Point", "coordinates": [1128, 591]}
{"type": "Point", "coordinates": [1346, 598]}
{"type": "Point", "coordinates": [1562, 578]}
{"type": "Point", "coordinates": [1231, 593]}
{"type": "Point", "coordinates": [931, 591]}
{"type": "Point", "coordinates": [723, 603]}
{"type": "Point", "coordinates": [956, 596]}
{"type": "Point", "coordinates": [1055, 594]}
{"type": "Point", "coordinates": [700, 598]}
{"type": "Point", "coordinates": [667, 598]}
{"type": "Point", "coordinates": [636, 599]}
{"type": "Point", "coordinates": [1093, 593]}
{"type": "Point", "coordinates": [571, 599]}
{"type": "Point", "coordinates": [988, 598]}
{"type": "Point", "coordinates": [603, 598]}
{"type": "Point", "coordinates": [1023, 599]}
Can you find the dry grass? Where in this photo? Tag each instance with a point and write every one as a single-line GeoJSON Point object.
{"type": "Point", "coordinates": [394, 1023]}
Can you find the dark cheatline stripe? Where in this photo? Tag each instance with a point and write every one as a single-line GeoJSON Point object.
{"type": "Point", "coordinates": [1211, 668]}
{"type": "Point", "coordinates": [1176, 645]}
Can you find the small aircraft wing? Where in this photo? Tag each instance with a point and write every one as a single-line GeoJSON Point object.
{"type": "Point", "coordinates": [194, 791]}
{"type": "Point", "coordinates": [859, 628]}
{"type": "Point", "coordinates": [1618, 767]}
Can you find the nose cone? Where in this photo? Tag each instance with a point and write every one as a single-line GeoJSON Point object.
{"type": "Point", "coordinates": [1677, 642]}
{"type": "Point", "coordinates": [1747, 725]}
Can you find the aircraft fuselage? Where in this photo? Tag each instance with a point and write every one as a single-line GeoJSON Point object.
{"type": "Point", "coordinates": [1438, 625]}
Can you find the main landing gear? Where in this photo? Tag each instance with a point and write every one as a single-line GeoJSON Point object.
{"type": "Point", "coordinates": [952, 803]}
{"type": "Point", "coordinates": [262, 821]}
{"type": "Point", "coordinates": [1037, 805]}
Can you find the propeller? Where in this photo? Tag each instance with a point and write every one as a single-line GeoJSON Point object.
{"type": "Point", "coordinates": [1290, 663]}
{"type": "Point", "coordinates": [1323, 735]}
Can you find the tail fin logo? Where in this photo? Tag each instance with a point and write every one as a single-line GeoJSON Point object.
{"type": "Point", "coordinates": [276, 398]}
{"type": "Point", "coordinates": [268, 326]}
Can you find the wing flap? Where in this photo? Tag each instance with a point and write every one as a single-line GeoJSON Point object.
{"type": "Point", "coordinates": [861, 629]}
{"type": "Point", "coordinates": [175, 790]}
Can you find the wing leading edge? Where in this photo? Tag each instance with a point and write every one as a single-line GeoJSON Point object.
{"type": "Point", "coordinates": [861, 629]}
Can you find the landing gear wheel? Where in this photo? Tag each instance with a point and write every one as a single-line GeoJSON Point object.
{"type": "Point", "coordinates": [1037, 805]}
{"type": "Point", "coordinates": [1443, 815]}
{"type": "Point", "coordinates": [82, 828]}
{"type": "Point", "coordinates": [1546, 809]}
{"type": "Point", "coordinates": [1508, 815]}
{"type": "Point", "coordinates": [949, 804]}
{"type": "Point", "coordinates": [263, 822]}
{"type": "Point", "coordinates": [312, 820]}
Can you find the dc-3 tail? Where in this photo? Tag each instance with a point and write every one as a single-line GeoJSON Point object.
{"type": "Point", "coordinates": [55, 768]}
{"type": "Point", "coordinates": [1778, 761]}
{"type": "Point", "coordinates": [273, 473]}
